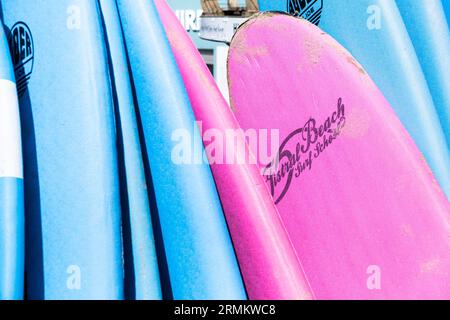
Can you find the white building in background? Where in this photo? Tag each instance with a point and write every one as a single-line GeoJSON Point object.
{"type": "Point", "coordinates": [214, 53]}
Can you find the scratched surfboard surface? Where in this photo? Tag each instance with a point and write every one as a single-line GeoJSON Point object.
{"type": "Point", "coordinates": [74, 248]}
{"type": "Point", "coordinates": [374, 33]}
{"type": "Point", "coordinates": [268, 263]}
{"type": "Point", "coordinates": [355, 194]}
{"type": "Point", "coordinates": [12, 238]}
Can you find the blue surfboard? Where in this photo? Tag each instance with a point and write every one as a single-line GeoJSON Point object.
{"type": "Point", "coordinates": [446, 4]}
{"type": "Point", "coordinates": [73, 234]}
{"type": "Point", "coordinates": [12, 237]}
{"type": "Point", "coordinates": [141, 266]}
{"type": "Point", "coordinates": [430, 35]}
{"type": "Point", "coordinates": [374, 32]}
{"type": "Point", "coordinates": [194, 240]}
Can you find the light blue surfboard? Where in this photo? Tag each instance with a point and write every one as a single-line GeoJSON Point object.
{"type": "Point", "coordinates": [74, 247]}
{"type": "Point", "coordinates": [446, 4]}
{"type": "Point", "coordinates": [427, 26]}
{"type": "Point", "coordinates": [12, 237]}
{"type": "Point", "coordinates": [141, 266]}
{"type": "Point", "coordinates": [197, 249]}
{"type": "Point", "coordinates": [374, 32]}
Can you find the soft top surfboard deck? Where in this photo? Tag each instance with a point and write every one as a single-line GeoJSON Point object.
{"type": "Point", "coordinates": [141, 266]}
{"type": "Point", "coordinates": [362, 208]}
{"type": "Point", "coordinates": [71, 180]}
{"type": "Point", "coordinates": [374, 33]}
{"type": "Point", "coordinates": [201, 263]}
{"type": "Point", "coordinates": [268, 262]}
{"type": "Point", "coordinates": [12, 237]}
{"type": "Point", "coordinates": [430, 35]}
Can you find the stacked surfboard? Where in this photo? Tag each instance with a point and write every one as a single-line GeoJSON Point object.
{"type": "Point", "coordinates": [109, 214]}
{"type": "Point", "coordinates": [125, 197]}
{"type": "Point", "coordinates": [12, 240]}
{"type": "Point", "coordinates": [197, 260]}
{"type": "Point", "coordinates": [427, 26]}
{"type": "Point", "coordinates": [73, 229]}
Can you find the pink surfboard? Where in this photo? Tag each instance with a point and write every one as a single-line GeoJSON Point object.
{"type": "Point", "coordinates": [269, 265]}
{"type": "Point", "coordinates": [361, 206]}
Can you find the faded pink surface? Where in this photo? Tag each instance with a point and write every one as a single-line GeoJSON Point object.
{"type": "Point", "coordinates": [268, 262]}
{"type": "Point", "coordinates": [369, 205]}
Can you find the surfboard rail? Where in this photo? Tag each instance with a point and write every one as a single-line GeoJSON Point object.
{"type": "Point", "coordinates": [12, 215]}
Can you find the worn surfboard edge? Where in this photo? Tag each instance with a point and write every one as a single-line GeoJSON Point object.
{"type": "Point", "coordinates": [378, 24]}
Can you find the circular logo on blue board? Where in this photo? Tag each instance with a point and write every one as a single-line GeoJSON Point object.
{"type": "Point", "coordinates": [310, 10]}
{"type": "Point", "coordinates": [22, 53]}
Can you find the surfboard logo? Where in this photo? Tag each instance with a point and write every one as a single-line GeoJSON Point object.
{"type": "Point", "coordinates": [310, 10]}
{"type": "Point", "coordinates": [301, 149]}
{"type": "Point", "coordinates": [22, 52]}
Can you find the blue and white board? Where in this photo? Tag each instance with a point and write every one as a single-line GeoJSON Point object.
{"type": "Point", "coordinates": [200, 260]}
{"type": "Point", "coordinates": [427, 26]}
{"type": "Point", "coordinates": [141, 266]}
{"type": "Point", "coordinates": [374, 32]}
{"type": "Point", "coordinates": [12, 238]}
{"type": "Point", "coordinates": [74, 247]}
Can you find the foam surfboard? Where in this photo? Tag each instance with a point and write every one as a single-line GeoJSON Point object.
{"type": "Point", "coordinates": [74, 248]}
{"type": "Point", "coordinates": [269, 265]}
{"type": "Point", "coordinates": [141, 266]}
{"type": "Point", "coordinates": [374, 33]}
{"type": "Point", "coordinates": [362, 208]}
{"type": "Point", "coordinates": [12, 237]}
{"type": "Point", "coordinates": [430, 35]}
{"type": "Point", "coordinates": [197, 249]}
{"type": "Point", "coordinates": [446, 4]}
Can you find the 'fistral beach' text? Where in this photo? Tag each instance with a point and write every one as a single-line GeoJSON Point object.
{"type": "Point", "coordinates": [301, 148]}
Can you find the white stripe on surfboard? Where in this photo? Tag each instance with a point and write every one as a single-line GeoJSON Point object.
{"type": "Point", "coordinates": [10, 137]}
